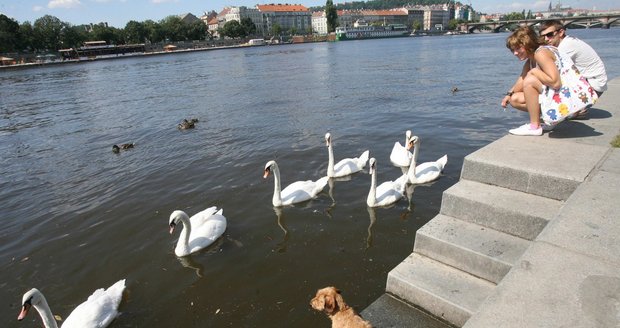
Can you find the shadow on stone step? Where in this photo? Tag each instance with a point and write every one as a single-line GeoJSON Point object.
{"type": "Point", "coordinates": [390, 312]}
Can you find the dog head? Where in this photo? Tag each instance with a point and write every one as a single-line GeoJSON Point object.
{"type": "Point", "coordinates": [328, 299]}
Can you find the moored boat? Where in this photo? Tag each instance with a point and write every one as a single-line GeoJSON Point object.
{"type": "Point", "coordinates": [361, 30]}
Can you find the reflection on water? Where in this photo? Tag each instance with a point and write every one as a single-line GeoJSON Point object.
{"type": "Point", "coordinates": [188, 262]}
{"type": "Point", "coordinates": [281, 246]}
{"type": "Point", "coordinates": [76, 217]}
{"type": "Point", "coordinates": [373, 218]}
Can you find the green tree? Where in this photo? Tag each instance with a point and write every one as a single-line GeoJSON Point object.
{"type": "Point", "coordinates": [416, 25]}
{"type": "Point", "coordinates": [73, 36]}
{"type": "Point", "coordinates": [27, 40]}
{"type": "Point", "coordinates": [154, 31]}
{"type": "Point", "coordinates": [276, 29]}
{"type": "Point", "coordinates": [174, 29]}
{"type": "Point", "coordinates": [331, 15]}
{"type": "Point", "coordinates": [248, 26]}
{"type": "Point", "coordinates": [47, 31]}
{"type": "Point", "coordinates": [453, 24]}
{"type": "Point", "coordinates": [9, 34]}
{"type": "Point", "coordinates": [196, 30]}
{"type": "Point", "coordinates": [233, 29]}
{"type": "Point", "coordinates": [135, 32]}
{"type": "Point", "coordinates": [101, 32]}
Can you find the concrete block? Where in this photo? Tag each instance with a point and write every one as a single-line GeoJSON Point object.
{"type": "Point", "coordinates": [481, 251]}
{"type": "Point", "coordinates": [513, 212]}
{"type": "Point", "coordinates": [553, 287]}
{"type": "Point", "coordinates": [537, 166]}
{"type": "Point", "coordinates": [389, 312]}
{"type": "Point", "coordinates": [590, 222]}
{"type": "Point", "coordinates": [448, 293]}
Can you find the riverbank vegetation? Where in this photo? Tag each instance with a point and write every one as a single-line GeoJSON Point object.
{"type": "Point", "coordinates": [49, 33]}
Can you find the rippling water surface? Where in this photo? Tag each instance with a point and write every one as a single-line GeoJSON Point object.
{"type": "Point", "coordinates": [77, 217]}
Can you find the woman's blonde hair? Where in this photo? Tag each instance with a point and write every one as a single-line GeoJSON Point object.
{"type": "Point", "coordinates": [524, 37]}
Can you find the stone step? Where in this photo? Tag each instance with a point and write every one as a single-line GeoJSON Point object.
{"type": "Point", "coordinates": [389, 311]}
{"type": "Point", "coordinates": [446, 292]}
{"type": "Point", "coordinates": [478, 250]}
{"type": "Point", "coordinates": [513, 212]}
{"type": "Point", "coordinates": [510, 162]}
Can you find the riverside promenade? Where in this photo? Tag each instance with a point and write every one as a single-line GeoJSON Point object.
{"type": "Point", "coordinates": [529, 236]}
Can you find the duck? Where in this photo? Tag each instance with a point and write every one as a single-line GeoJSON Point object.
{"type": "Point", "coordinates": [400, 155]}
{"type": "Point", "coordinates": [296, 192]}
{"type": "Point", "coordinates": [425, 172]}
{"type": "Point", "coordinates": [455, 90]}
{"type": "Point", "coordinates": [118, 148]}
{"type": "Point", "coordinates": [187, 124]}
{"type": "Point", "coordinates": [345, 166]}
{"type": "Point", "coordinates": [99, 310]}
{"type": "Point", "coordinates": [199, 231]}
{"type": "Point", "coordinates": [387, 193]}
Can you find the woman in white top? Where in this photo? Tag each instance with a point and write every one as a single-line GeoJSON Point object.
{"type": "Point", "coordinates": [538, 70]}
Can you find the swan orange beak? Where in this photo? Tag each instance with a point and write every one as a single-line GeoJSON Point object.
{"type": "Point", "coordinates": [24, 311]}
{"type": "Point", "coordinates": [266, 174]}
{"type": "Point", "coordinates": [172, 225]}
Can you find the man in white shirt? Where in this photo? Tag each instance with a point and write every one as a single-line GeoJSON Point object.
{"type": "Point", "coordinates": [585, 58]}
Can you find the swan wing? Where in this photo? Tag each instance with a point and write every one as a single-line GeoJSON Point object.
{"type": "Point", "coordinates": [429, 171]}
{"type": "Point", "coordinates": [207, 233]}
{"type": "Point", "coordinates": [98, 310]}
{"type": "Point", "coordinates": [400, 156]}
{"type": "Point", "coordinates": [389, 192]}
{"type": "Point", "coordinates": [300, 191]}
{"type": "Point", "coordinates": [349, 166]}
{"type": "Point", "coordinates": [202, 216]}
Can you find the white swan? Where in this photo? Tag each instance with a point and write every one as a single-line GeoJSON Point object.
{"type": "Point", "coordinates": [388, 192]}
{"type": "Point", "coordinates": [199, 231]}
{"type": "Point", "coordinates": [425, 172]}
{"type": "Point", "coordinates": [346, 166]}
{"type": "Point", "coordinates": [96, 312]}
{"type": "Point", "coordinates": [400, 155]}
{"type": "Point", "coordinates": [297, 191]}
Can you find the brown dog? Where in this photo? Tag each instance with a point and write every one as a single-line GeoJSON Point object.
{"type": "Point", "coordinates": [329, 300]}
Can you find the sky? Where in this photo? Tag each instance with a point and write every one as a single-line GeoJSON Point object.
{"type": "Point", "coordinates": [118, 12]}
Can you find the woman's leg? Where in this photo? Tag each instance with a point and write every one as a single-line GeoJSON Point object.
{"type": "Point", "coordinates": [531, 90]}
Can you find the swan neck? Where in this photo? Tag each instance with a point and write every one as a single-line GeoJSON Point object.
{"type": "Point", "coordinates": [277, 189]}
{"type": "Point", "coordinates": [330, 163]}
{"type": "Point", "coordinates": [372, 194]}
{"type": "Point", "coordinates": [414, 160]}
{"type": "Point", "coordinates": [183, 243]}
{"type": "Point", "coordinates": [46, 314]}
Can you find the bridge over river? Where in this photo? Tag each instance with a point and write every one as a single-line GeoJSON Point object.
{"type": "Point", "coordinates": [602, 21]}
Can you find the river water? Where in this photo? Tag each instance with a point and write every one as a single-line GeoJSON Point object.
{"type": "Point", "coordinates": [77, 217]}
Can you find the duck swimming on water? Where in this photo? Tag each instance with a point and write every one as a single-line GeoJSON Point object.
{"type": "Point", "coordinates": [125, 146]}
{"type": "Point", "coordinates": [187, 124]}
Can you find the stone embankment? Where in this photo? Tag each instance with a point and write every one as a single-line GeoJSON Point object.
{"type": "Point", "coordinates": [529, 236]}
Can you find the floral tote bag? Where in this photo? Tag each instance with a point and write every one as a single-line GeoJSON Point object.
{"type": "Point", "coordinates": [574, 95]}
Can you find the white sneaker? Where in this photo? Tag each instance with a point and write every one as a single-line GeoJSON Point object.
{"type": "Point", "coordinates": [548, 127]}
{"type": "Point", "coordinates": [525, 130]}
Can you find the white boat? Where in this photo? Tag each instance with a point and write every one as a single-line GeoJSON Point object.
{"type": "Point", "coordinates": [361, 30]}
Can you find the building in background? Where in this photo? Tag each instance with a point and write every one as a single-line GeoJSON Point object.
{"type": "Point", "coordinates": [291, 18]}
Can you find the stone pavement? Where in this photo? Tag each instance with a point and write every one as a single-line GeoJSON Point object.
{"type": "Point", "coordinates": [569, 272]}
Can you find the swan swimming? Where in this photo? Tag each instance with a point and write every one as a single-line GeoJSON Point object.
{"type": "Point", "coordinates": [425, 172]}
{"type": "Point", "coordinates": [388, 192]}
{"type": "Point", "coordinates": [297, 191]}
{"type": "Point", "coordinates": [96, 312]}
{"type": "Point", "coordinates": [400, 155]}
{"type": "Point", "coordinates": [199, 231]}
{"type": "Point", "coordinates": [345, 166]}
